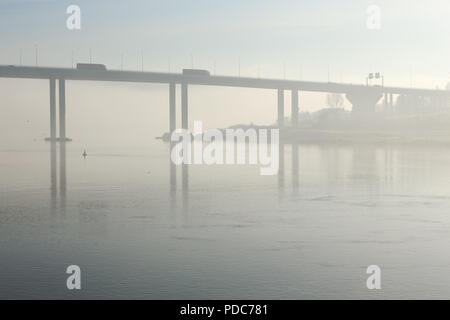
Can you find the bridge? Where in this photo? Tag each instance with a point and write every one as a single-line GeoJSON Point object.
{"type": "Point", "coordinates": [363, 98]}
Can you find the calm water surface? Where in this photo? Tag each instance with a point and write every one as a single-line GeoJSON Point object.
{"type": "Point", "coordinates": [308, 233]}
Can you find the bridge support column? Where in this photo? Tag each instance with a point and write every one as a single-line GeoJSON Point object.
{"type": "Point", "coordinates": [172, 108]}
{"type": "Point", "coordinates": [62, 110]}
{"type": "Point", "coordinates": [184, 125]}
{"type": "Point", "coordinates": [53, 175]}
{"type": "Point", "coordinates": [364, 101]}
{"type": "Point", "coordinates": [172, 127]}
{"type": "Point", "coordinates": [294, 107]}
{"type": "Point", "coordinates": [62, 137]}
{"type": "Point", "coordinates": [280, 107]}
{"type": "Point", "coordinates": [52, 110]}
{"type": "Point", "coordinates": [386, 102]}
{"type": "Point", "coordinates": [184, 106]}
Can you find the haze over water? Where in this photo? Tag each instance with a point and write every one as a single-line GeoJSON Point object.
{"type": "Point", "coordinates": [235, 233]}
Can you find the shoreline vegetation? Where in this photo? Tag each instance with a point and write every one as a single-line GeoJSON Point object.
{"type": "Point", "coordinates": [361, 136]}
{"type": "Point", "coordinates": [337, 126]}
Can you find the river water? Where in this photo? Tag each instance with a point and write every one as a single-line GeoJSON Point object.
{"type": "Point", "coordinates": [226, 232]}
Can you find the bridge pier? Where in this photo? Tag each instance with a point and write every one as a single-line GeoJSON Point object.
{"type": "Point", "coordinates": [53, 175]}
{"type": "Point", "coordinates": [62, 136]}
{"type": "Point", "coordinates": [52, 110]}
{"type": "Point", "coordinates": [172, 107]}
{"type": "Point", "coordinates": [184, 106]}
{"type": "Point", "coordinates": [388, 101]}
{"type": "Point", "coordinates": [62, 110]}
{"type": "Point", "coordinates": [294, 107]}
{"type": "Point", "coordinates": [281, 167]}
{"type": "Point", "coordinates": [172, 127]}
{"type": "Point", "coordinates": [280, 108]}
{"type": "Point", "coordinates": [184, 125]}
{"type": "Point", "coordinates": [363, 101]}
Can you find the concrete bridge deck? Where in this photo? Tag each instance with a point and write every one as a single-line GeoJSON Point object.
{"type": "Point", "coordinates": [363, 98]}
{"type": "Point", "coordinates": [179, 78]}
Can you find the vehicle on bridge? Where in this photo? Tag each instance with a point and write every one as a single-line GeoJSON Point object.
{"type": "Point", "coordinates": [91, 66]}
{"type": "Point", "coordinates": [195, 72]}
{"type": "Point", "coordinates": [58, 139]}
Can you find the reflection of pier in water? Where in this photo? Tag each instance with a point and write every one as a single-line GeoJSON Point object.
{"type": "Point", "coordinates": [54, 176]}
{"type": "Point", "coordinates": [173, 187]}
{"type": "Point", "coordinates": [62, 146]}
{"type": "Point", "coordinates": [357, 163]}
{"type": "Point", "coordinates": [336, 168]}
{"type": "Point", "coordinates": [281, 176]}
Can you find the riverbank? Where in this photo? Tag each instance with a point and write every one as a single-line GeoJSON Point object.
{"type": "Point", "coordinates": [360, 136]}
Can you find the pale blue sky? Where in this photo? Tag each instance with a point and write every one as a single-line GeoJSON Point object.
{"type": "Point", "coordinates": [264, 35]}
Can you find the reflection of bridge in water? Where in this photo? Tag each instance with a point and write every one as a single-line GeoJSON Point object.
{"type": "Point", "coordinates": [62, 182]}
{"type": "Point", "coordinates": [364, 163]}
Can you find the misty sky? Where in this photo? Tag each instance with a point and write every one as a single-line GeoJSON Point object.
{"type": "Point", "coordinates": [311, 40]}
{"type": "Point", "coordinates": [305, 36]}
